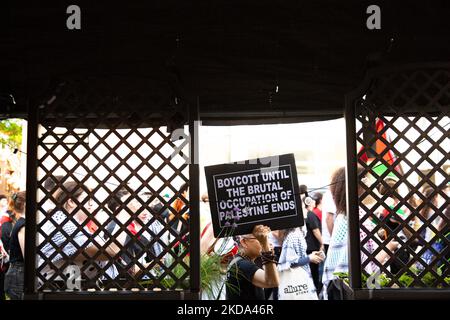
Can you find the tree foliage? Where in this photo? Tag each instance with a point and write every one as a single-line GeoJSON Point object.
{"type": "Point", "coordinates": [11, 133]}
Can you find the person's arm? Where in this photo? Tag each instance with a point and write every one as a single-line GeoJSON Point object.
{"type": "Point", "coordinates": [314, 225]}
{"type": "Point", "coordinates": [111, 251]}
{"type": "Point", "coordinates": [267, 278]}
{"type": "Point", "coordinates": [177, 205]}
{"type": "Point", "coordinates": [6, 234]}
{"type": "Point", "coordinates": [329, 219]}
{"type": "Point", "coordinates": [21, 237]}
{"type": "Point", "coordinates": [3, 253]}
{"type": "Point", "coordinates": [302, 261]}
{"type": "Point", "coordinates": [316, 232]}
{"type": "Point", "coordinates": [407, 233]}
{"type": "Point", "coordinates": [116, 233]}
{"type": "Point", "coordinates": [92, 250]}
{"type": "Point", "coordinates": [383, 256]}
{"type": "Point", "coordinates": [207, 239]}
{"type": "Point", "coordinates": [314, 257]}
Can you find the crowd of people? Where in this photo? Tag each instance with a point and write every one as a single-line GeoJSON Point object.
{"type": "Point", "coordinates": [321, 247]}
{"type": "Point", "coordinates": [134, 241]}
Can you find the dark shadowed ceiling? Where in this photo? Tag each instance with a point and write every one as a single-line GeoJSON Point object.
{"type": "Point", "coordinates": [263, 60]}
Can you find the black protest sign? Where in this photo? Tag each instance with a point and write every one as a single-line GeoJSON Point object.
{"type": "Point", "coordinates": [259, 191]}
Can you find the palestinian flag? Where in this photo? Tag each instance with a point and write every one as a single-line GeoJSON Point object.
{"type": "Point", "coordinates": [368, 154]}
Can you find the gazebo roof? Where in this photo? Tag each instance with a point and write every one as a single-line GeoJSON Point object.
{"type": "Point", "coordinates": [263, 60]}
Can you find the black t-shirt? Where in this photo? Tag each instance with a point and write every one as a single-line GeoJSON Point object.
{"type": "Point", "coordinates": [6, 234]}
{"type": "Point", "coordinates": [239, 284]}
{"type": "Point", "coordinates": [15, 253]}
{"type": "Point", "coordinates": [137, 248]}
{"type": "Point", "coordinates": [312, 222]}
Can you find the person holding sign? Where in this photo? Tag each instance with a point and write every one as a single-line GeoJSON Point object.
{"type": "Point", "coordinates": [245, 280]}
{"type": "Point", "coordinates": [252, 193]}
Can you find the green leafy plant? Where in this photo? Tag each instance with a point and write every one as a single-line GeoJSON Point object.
{"type": "Point", "coordinates": [178, 272]}
{"type": "Point", "coordinates": [406, 279]}
{"type": "Point", "coordinates": [428, 278]}
{"type": "Point", "coordinates": [11, 133]}
{"type": "Point", "coordinates": [211, 273]}
{"type": "Point", "coordinates": [212, 269]}
{"type": "Point", "coordinates": [344, 276]}
{"type": "Point", "coordinates": [383, 279]}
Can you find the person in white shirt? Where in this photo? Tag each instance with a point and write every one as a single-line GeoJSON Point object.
{"type": "Point", "coordinates": [328, 217]}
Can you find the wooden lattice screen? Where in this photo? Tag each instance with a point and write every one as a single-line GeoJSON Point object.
{"type": "Point", "coordinates": [400, 120]}
{"type": "Point", "coordinates": [109, 216]}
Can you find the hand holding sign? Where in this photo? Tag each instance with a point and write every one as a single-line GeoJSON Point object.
{"type": "Point", "coordinates": [253, 193]}
{"type": "Point", "coordinates": [261, 233]}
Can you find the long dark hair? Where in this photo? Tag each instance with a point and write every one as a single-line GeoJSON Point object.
{"type": "Point", "coordinates": [427, 192]}
{"type": "Point", "coordinates": [17, 201]}
{"type": "Point", "coordinates": [116, 200]}
{"type": "Point", "coordinates": [69, 191]}
{"type": "Point", "coordinates": [284, 233]}
{"type": "Point", "coordinates": [338, 188]}
{"type": "Point", "coordinates": [317, 197]}
{"type": "Point", "coordinates": [388, 190]}
{"type": "Point", "coordinates": [445, 220]}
